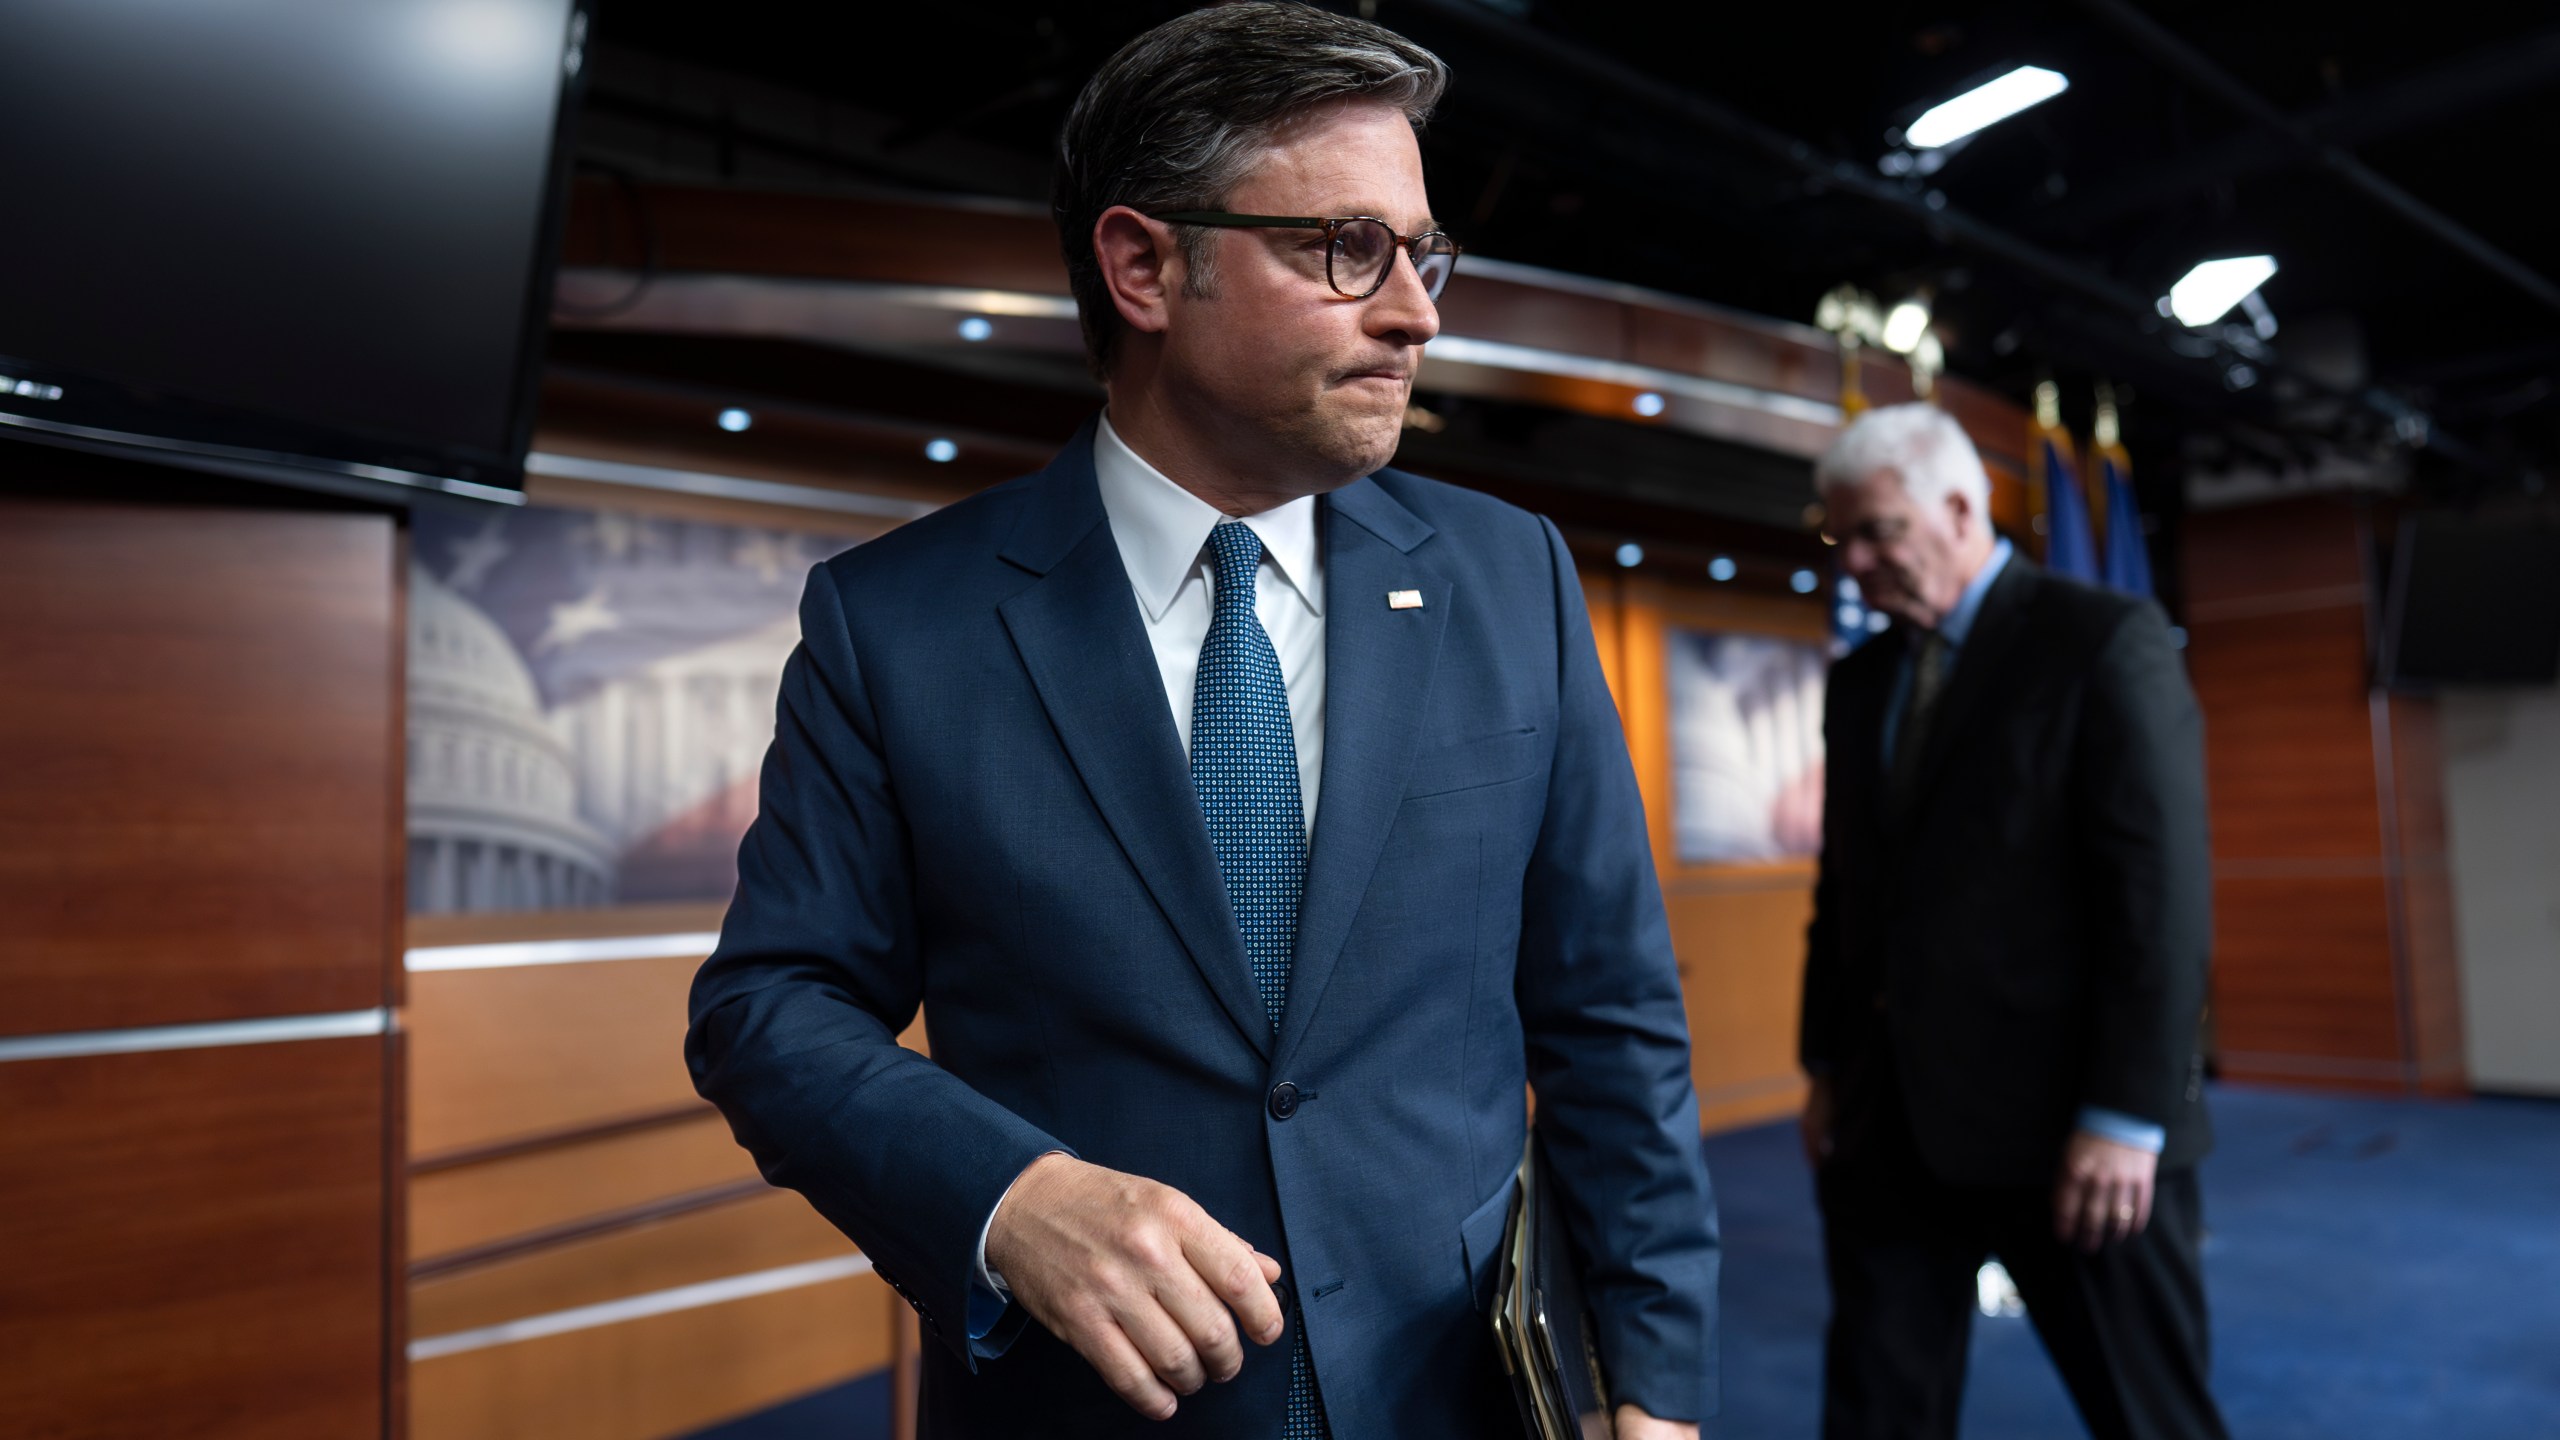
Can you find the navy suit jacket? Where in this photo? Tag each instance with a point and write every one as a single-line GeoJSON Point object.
{"type": "Point", "coordinates": [977, 802]}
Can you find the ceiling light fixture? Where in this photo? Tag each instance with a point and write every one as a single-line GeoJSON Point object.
{"type": "Point", "coordinates": [2208, 292]}
{"type": "Point", "coordinates": [941, 451]}
{"type": "Point", "coordinates": [1984, 105]}
{"type": "Point", "coordinates": [734, 420]}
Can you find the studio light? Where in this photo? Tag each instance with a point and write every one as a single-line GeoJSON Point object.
{"type": "Point", "coordinates": [1649, 404]}
{"type": "Point", "coordinates": [1722, 568]}
{"type": "Point", "coordinates": [1630, 555]}
{"type": "Point", "coordinates": [1989, 104]}
{"type": "Point", "coordinates": [1905, 324]}
{"type": "Point", "coordinates": [976, 328]}
{"type": "Point", "coordinates": [941, 451]}
{"type": "Point", "coordinates": [2210, 290]}
{"type": "Point", "coordinates": [1804, 582]}
{"type": "Point", "coordinates": [734, 420]}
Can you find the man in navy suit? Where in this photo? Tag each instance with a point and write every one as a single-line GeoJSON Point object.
{"type": "Point", "coordinates": [1252, 825]}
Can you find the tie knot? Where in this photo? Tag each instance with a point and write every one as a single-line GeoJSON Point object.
{"type": "Point", "coordinates": [1235, 552]}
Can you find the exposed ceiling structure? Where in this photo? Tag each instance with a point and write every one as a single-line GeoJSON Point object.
{"type": "Point", "coordinates": [2381, 154]}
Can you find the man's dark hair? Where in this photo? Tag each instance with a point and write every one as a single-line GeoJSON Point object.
{"type": "Point", "coordinates": [1176, 120]}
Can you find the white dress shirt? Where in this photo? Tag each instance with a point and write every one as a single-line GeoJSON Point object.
{"type": "Point", "coordinates": [1163, 534]}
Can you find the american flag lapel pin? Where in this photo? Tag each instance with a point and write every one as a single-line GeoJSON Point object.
{"type": "Point", "coordinates": [1404, 599]}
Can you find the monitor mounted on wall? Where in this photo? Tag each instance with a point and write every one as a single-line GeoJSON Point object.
{"type": "Point", "coordinates": [302, 240]}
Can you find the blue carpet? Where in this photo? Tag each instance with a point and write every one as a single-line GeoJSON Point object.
{"type": "Point", "coordinates": [855, 1410]}
{"type": "Point", "coordinates": [2377, 1268]}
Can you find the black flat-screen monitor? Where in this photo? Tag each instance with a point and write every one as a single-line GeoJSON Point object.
{"type": "Point", "coordinates": [305, 238]}
{"type": "Point", "coordinates": [2472, 601]}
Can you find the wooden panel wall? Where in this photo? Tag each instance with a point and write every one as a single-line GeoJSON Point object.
{"type": "Point", "coordinates": [198, 705]}
{"type": "Point", "coordinates": [560, 1160]}
{"type": "Point", "coordinates": [2333, 920]}
{"type": "Point", "coordinates": [1738, 929]}
{"type": "Point", "coordinates": [198, 824]}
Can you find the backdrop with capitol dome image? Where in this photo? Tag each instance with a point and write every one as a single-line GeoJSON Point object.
{"type": "Point", "coordinates": [590, 695]}
{"type": "Point", "coordinates": [1746, 746]}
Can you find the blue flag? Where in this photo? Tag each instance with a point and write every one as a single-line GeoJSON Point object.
{"type": "Point", "coordinates": [2128, 558]}
{"type": "Point", "coordinates": [2068, 548]}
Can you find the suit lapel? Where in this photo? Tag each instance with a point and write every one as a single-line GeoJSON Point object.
{"type": "Point", "coordinates": [1979, 666]}
{"type": "Point", "coordinates": [1085, 646]}
{"type": "Point", "coordinates": [1378, 670]}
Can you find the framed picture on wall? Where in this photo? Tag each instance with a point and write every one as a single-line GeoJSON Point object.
{"type": "Point", "coordinates": [1746, 746]}
{"type": "Point", "coordinates": [590, 696]}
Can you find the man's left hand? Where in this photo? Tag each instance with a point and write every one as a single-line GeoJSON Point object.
{"type": "Point", "coordinates": [1634, 1424]}
{"type": "Point", "coordinates": [2104, 1193]}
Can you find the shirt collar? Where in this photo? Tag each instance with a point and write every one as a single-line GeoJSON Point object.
{"type": "Point", "coordinates": [1162, 528]}
{"type": "Point", "coordinates": [1959, 621]}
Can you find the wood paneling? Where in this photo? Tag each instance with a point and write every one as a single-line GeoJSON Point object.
{"type": "Point", "coordinates": [2289, 766]}
{"type": "Point", "coordinates": [2267, 551]}
{"type": "Point", "coordinates": [2302, 965]}
{"type": "Point", "coordinates": [501, 1053]}
{"type": "Point", "coordinates": [193, 1242]}
{"type": "Point", "coordinates": [195, 822]}
{"type": "Point", "coordinates": [470, 1205]}
{"type": "Point", "coordinates": [776, 1228]}
{"type": "Point", "coordinates": [1741, 947]}
{"type": "Point", "coordinates": [2432, 963]}
{"type": "Point", "coordinates": [685, 917]}
{"type": "Point", "coordinates": [2334, 954]}
{"type": "Point", "coordinates": [1738, 930]}
{"type": "Point", "coordinates": [661, 1376]}
{"type": "Point", "coordinates": [852, 237]}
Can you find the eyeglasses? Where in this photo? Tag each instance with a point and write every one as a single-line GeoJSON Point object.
{"type": "Point", "coordinates": [1359, 251]}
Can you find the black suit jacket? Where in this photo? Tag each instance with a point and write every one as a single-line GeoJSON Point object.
{"type": "Point", "coordinates": [2030, 934]}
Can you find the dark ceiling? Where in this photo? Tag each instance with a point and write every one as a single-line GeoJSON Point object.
{"type": "Point", "coordinates": [1735, 159]}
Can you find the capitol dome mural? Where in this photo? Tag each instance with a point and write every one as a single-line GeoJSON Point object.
{"type": "Point", "coordinates": [493, 804]}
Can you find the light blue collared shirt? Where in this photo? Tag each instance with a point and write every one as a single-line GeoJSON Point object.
{"type": "Point", "coordinates": [2096, 1120]}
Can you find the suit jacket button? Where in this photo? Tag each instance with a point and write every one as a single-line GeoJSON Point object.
{"type": "Point", "coordinates": [1284, 1100]}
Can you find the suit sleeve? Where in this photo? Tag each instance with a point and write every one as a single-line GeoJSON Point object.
{"type": "Point", "coordinates": [1608, 1049]}
{"type": "Point", "coordinates": [2140, 773]}
{"type": "Point", "coordinates": [796, 1015]}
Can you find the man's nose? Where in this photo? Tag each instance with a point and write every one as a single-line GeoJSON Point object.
{"type": "Point", "coordinates": [1403, 307]}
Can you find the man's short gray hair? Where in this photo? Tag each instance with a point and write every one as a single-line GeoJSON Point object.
{"type": "Point", "coordinates": [1177, 119]}
{"type": "Point", "coordinates": [1921, 444]}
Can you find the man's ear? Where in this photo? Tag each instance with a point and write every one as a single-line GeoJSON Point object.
{"type": "Point", "coordinates": [1141, 266]}
{"type": "Point", "coordinates": [1961, 516]}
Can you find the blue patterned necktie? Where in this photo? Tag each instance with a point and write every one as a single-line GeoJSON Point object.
{"type": "Point", "coordinates": [1244, 764]}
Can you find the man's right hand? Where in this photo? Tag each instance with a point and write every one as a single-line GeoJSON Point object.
{"type": "Point", "coordinates": [1134, 1275]}
{"type": "Point", "coordinates": [1815, 1124]}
